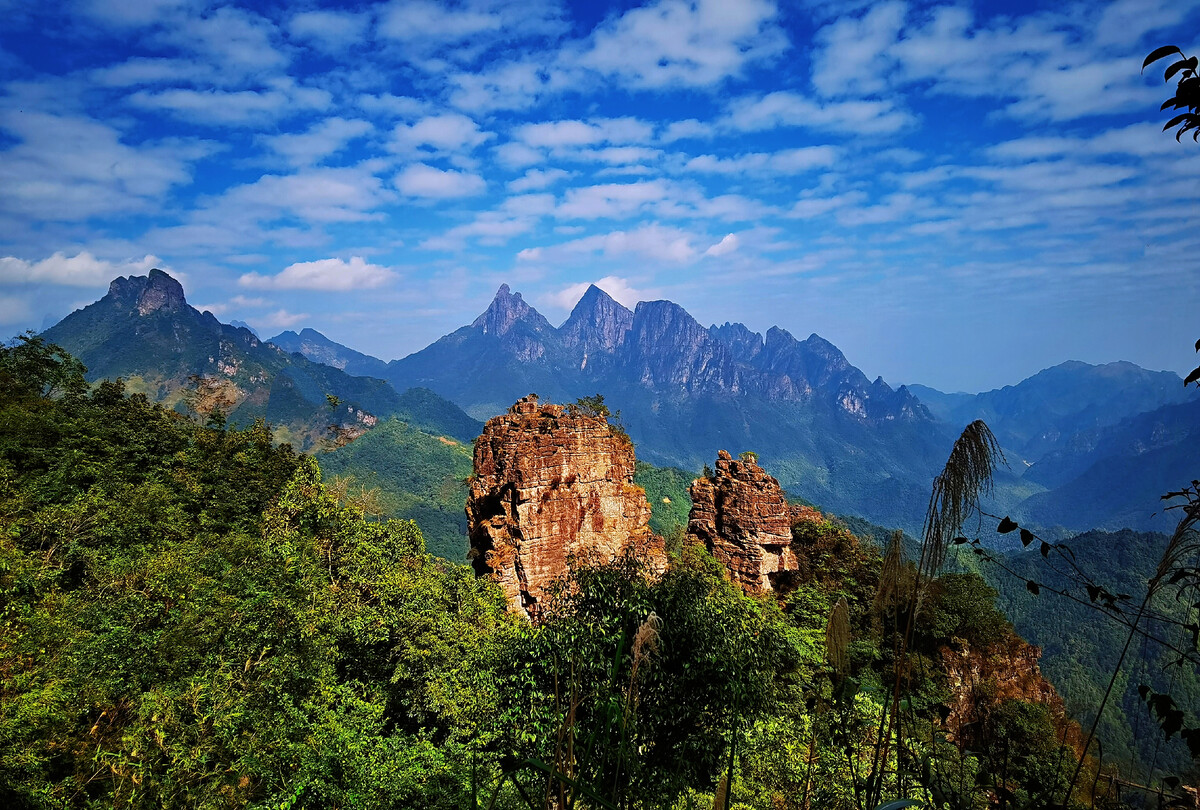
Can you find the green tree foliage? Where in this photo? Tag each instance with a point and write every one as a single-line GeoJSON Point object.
{"type": "Point", "coordinates": [191, 619]}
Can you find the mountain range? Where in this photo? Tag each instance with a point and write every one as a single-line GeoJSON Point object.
{"type": "Point", "coordinates": [1079, 438]}
{"type": "Point", "coordinates": [1088, 446]}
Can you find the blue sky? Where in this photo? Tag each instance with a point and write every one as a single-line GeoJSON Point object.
{"type": "Point", "coordinates": [956, 194]}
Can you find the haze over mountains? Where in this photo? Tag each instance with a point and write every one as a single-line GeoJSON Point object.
{"type": "Point", "coordinates": [1089, 446]}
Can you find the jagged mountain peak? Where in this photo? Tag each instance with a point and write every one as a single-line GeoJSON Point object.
{"type": "Point", "coordinates": [744, 343]}
{"type": "Point", "coordinates": [154, 292]}
{"type": "Point", "coordinates": [598, 321]}
{"type": "Point", "coordinates": [506, 309]}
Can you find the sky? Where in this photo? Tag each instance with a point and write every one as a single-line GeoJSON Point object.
{"type": "Point", "coordinates": [956, 194]}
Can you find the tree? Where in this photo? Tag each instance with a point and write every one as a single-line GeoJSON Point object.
{"type": "Point", "coordinates": [1187, 91]}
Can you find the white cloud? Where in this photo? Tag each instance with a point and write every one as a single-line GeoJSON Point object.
{"type": "Point", "coordinates": [331, 275]}
{"type": "Point", "coordinates": [329, 31]}
{"type": "Point", "coordinates": [688, 128]}
{"type": "Point", "coordinates": [508, 86]}
{"type": "Point", "coordinates": [787, 161]}
{"type": "Point", "coordinates": [281, 99]}
{"type": "Point", "coordinates": [535, 179]}
{"type": "Point", "coordinates": [81, 270]}
{"type": "Point", "coordinates": [319, 142]}
{"type": "Point", "coordinates": [811, 207]}
{"type": "Point", "coordinates": [728, 244]}
{"type": "Point", "coordinates": [392, 106]}
{"type": "Point", "coordinates": [785, 108]}
{"type": "Point", "coordinates": [463, 31]}
{"type": "Point", "coordinates": [142, 70]}
{"type": "Point", "coordinates": [489, 228]}
{"type": "Point", "coordinates": [850, 52]}
{"type": "Point", "coordinates": [517, 155]}
{"type": "Point", "coordinates": [654, 242]}
{"type": "Point", "coordinates": [421, 180]}
{"type": "Point", "coordinates": [677, 43]}
{"type": "Point", "coordinates": [451, 132]}
{"type": "Point", "coordinates": [613, 200]}
{"type": "Point", "coordinates": [282, 319]}
{"type": "Point", "coordinates": [68, 167]}
{"type": "Point", "coordinates": [237, 41]}
{"type": "Point", "coordinates": [619, 288]}
{"type": "Point", "coordinates": [349, 194]}
{"type": "Point", "coordinates": [133, 13]}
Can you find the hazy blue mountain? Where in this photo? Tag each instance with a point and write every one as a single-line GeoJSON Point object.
{"type": "Point", "coordinates": [320, 349]}
{"type": "Point", "coordinates": [1041, 413]}
{"type": "Point", "coordinates": [244, 325]}
{"type": "Point", "coordinates": [1113, 477]}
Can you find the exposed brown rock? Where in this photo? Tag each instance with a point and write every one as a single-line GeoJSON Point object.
{"type": "Point", "coordinates": [981, 681]}
{"type": "Point", "coordinates": [744, 521]}
{"type": "Point", "coordinates": [551, 483]}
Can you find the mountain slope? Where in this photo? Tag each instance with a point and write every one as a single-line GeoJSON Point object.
{"type": "Point", "coordinates": [144, 331]}
{"type": "Point", "coordinates": [420, 476]}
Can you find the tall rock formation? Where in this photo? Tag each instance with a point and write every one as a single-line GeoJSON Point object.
{"type": "Point", "coordinates": [553, 483]}
{"type": "Point", "coordinates": [744, 521]}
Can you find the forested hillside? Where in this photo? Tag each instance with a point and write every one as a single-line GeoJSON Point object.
{"type": "Point", "coordinates": [192, 618]}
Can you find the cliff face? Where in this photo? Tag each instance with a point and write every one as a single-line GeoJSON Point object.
{"type": "Point", "coordinates": [744, 521]}
{"type": "Point", "coordinates": [551, 483]}
{"type": "Point", "coordinates": [981, 681]}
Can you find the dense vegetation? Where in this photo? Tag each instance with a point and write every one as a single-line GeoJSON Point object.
{"type": "Point", "coordinates": [192, 617]}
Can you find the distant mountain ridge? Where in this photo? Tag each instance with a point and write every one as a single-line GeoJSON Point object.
{"type": "Point", "coordinates": [685, 391]}
{"type": "Point", "coordinates": [1090, 446]}
{"type": "Point", "coordinates": [1037, 414]}
{"type": "Point", "coordinates": [320, 349]}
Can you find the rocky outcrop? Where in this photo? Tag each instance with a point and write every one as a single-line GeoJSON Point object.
{"type": "Point", "coordinates": [742, 518]}
{"type": "Point", "coordinates": [982, 680]}
{"type": "Point", "coordinates": [550, 484]}
{"type": "Point", "coordinates": [150, 293]}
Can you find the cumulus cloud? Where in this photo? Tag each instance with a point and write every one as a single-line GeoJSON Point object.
{"type": "Point", "coordinates": [655, 242]}
{"type": "Point", "coordinates": [611, 200]}
{"type": "Point", "coordinates": [280, 99]}
{"type": "Point", "coordinates": [728, 244]}
{"type": "Point", "coordinates": [422, 180]}
{"type": "Point", "coordinates": [787, 161]}
{"type": "Point", "coordinates": [535, 179]}
{"type": "Point", "coordinates": [347, 194]}
{"type": "Point", "coordinates": [677, 43]}
{"type": "Point", "coordinates": [238, 41]}
{"type": "Point", "coordinates": [331, 275]}
{"type": "Point", "coordinates": [71, 167]}
{"type": "Point", "coordinates": [785, 108]}
{"type": "Point", "coordinates": [464, 31]}
{"type": "Point", "coordinates": [282, 319]}
{"type": "Point", "coordinates": [329, 31]}
{"type": "Point", "coordinates": [451, 132]}
{"type": "Point", "coordinates": [319, 142]}
{"type": "Point", "coordinates": [619, 288]}
{"type": "Point", "coordinates": [81, 270]}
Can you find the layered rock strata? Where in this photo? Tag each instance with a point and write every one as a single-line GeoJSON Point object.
{"type": "Point", "coordinates": [742, 518]}
{"type": "Point", "coordinates": [550, 484]}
